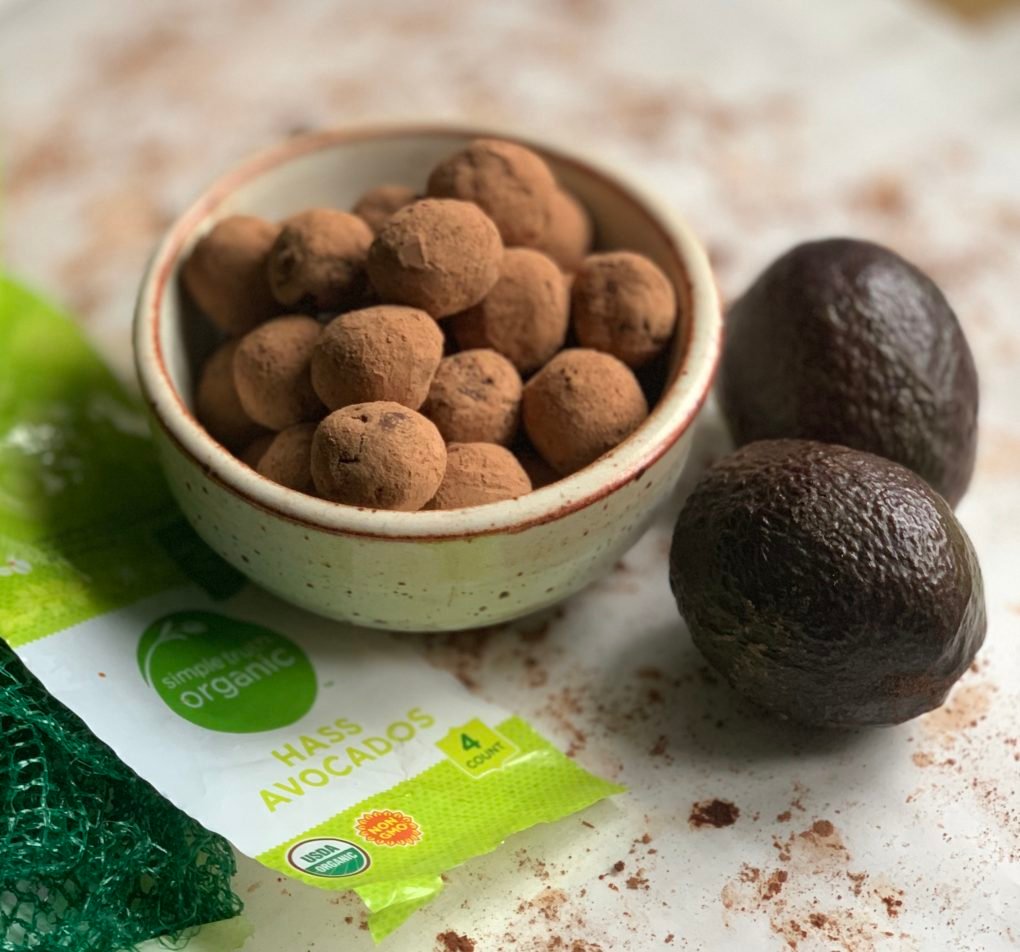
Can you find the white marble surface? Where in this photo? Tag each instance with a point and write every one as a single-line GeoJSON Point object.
{"type": "Point", "coordinates": [764, 122]}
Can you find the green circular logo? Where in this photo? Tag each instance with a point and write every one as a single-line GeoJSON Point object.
{"type": "Point", "coordinates": [226, 675]}
{"type": "Point", "coordinates": [329, 857]}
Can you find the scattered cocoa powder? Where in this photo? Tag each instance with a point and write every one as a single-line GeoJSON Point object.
{"type": "Point", "coordinates": [455, 942]}
{"type": "Point", "coordinates": [715, 813]}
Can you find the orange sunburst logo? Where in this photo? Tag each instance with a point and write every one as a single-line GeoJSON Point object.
{"type": "Point", "coordinates": [388, 828]}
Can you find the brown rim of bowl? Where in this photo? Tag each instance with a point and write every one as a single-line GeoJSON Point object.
{"type": "Point", "coordinates": [668, 421]}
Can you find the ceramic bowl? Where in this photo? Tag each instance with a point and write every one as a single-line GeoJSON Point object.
{"type": "Point", "coordinates": [418, 571]}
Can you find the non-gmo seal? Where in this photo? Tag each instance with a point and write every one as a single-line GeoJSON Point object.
{"type": "Point", "coordinates": [328, 857]}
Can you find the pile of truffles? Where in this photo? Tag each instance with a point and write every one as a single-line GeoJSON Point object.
{"type": "Point", "coordinates": [378, 357]}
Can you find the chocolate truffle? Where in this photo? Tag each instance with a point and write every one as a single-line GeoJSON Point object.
{"type": "Point", "coordinates": [288, 459]}
{"type": "Point", "coordinates": [255, 450]}
{"type": "Point", "coordinates": [623, 304]}
{"type": "Point", "coordinates": [510, 183]}
{"type": "Point", "coordinates": [539, 471]}
{"type": "Point", "coordinates": [378, 455]}
{"type": "Point", "coordinates": [226, 273]}
{"type": "Point", "coordinates": [567, 235]}
{"type": "Point", "coordinates": [436, 254]}
{"type": "Point", "coordinates": [217, 405]}
{"type": "Point", "coordinates": [525, 316]}
{"type": "Point", "coordinates": [475, 397]}
{"type": "Point", "coordinates": [379, 203]}
{"type": "Point", "coordinates": [317, 262]}
{"type": "Point", "coordinates": [479, 473]}
{"type": "Point", "coordinates": [579, 406]}
{"type": "Point", "coordinates": [271, 372]}
{"type": "Point", "coordinates": [379, 353]}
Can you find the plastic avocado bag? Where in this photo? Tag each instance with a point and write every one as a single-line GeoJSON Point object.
{"type": "Point", "coordinates": [335, 756]}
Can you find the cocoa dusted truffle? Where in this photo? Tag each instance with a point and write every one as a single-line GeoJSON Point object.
{"type": "Point", "coordinates": [567, 235]}
{"type": "Point", "coordinates": [288, 458]}
{"type": "Point", "coordinates": [379, 203]}
{"type": "Point", "coordinates": [510, 183]}
{"type": "Point", "coordinates": [579, 406]}
{"type": "Point", "coordinates": [475, 397]}
{"type": "Point", "coordinates": [479, 473]}
{"type": "Point", "coordinates": [317, 262]}
{"type": "Point", "coordinates": [525, 316]}
{"type": "Point", "coordinates": [378, 455]}
{"type": "Point", "coordinates": [217, 405]}
{"type": "Point", "coordinates": [271, 372]}
{"type": "Point", "coordinates": [436, 254]}
{"type": "Point", "coordinates": [255, 450]}
{"type": "Point", "coordinates": [226, 273]}
{"type": "Point", "coordinates": [622, 303]}
{"type": "Point", "coordinates": [378, 353]}
{"type": "Point", "coordinates": [539, 471]}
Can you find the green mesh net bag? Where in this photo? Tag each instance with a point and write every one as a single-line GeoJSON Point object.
{"type": "Point", "coordinates": [91, 857]}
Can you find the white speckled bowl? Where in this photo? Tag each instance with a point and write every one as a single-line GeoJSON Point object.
{"type": "Point", "coordinates": [421, 570]}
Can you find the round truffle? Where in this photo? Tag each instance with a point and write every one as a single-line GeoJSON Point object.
{"type": "Point", "coordinates": [440, 255]}
{"type": "Point", "coordinates": [378, 455]}
{"type": "Point", "coordinates": [479, 473]}
{"type": "Point", "coordinates": [510, 183]}
{"type": "Point", "coordinates": [379, 353]}
{"type": "Point", "coordinates": [317, 262]}
{"type": "Point", "coordinates": [623, 304]}
{"type": "Point", "coordinates": [225, 273]}
{"type": "Point", "coordinates": [524, 317]}
{"type": "Point", "coordinates": [567, 236]}
{"type": "Point", "coordinates": [579, 406]}
{"type": "Point", "coordinates": [539, 471]}
{"type": "Point", "coordinates": [379, 203]}
{"type": "Point", "coordinates": [272, 372]}
{"type": "Point", "coordinates": [255, 450]}
{"type": "Point", "coordinates": [288, 458]}
{"type": "Point", "coordinates": [475, 397]}
{"type": "Point", "coordinates": [217, 405]}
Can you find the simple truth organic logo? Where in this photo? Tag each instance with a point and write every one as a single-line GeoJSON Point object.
{"type": "Point", "coordinates": [226, 675]}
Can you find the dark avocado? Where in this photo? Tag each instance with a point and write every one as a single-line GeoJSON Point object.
{"type": "Point", "coordinates": [829, 585]}
{"type": "Point", "coordinates": [845, 342]}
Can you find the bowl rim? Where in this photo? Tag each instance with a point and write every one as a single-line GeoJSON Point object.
{"type": "Point", "coordinates": [667, 422]}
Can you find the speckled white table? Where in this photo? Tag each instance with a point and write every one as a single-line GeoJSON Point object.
{"type": "Point", "coordinates": [764, 123]}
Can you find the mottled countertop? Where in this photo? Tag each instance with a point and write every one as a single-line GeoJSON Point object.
{"type": "Point", "coordinates": [763, 123]}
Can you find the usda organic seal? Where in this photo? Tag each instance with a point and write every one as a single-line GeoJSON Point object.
{"type": "Point", "coordinates": [328, 857]}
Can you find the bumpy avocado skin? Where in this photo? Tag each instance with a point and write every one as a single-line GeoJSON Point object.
{"type": "Point", "coordinates": [826, 584]}
{"type": "Point", "coordinates": [844, 341]}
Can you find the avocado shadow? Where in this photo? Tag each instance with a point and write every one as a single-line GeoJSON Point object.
{"type": "Point", "coordinates": [672, 705]}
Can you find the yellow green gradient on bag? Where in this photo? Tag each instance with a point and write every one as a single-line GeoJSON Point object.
{"type": "Point", "coordinates": [379, 793]}
{"type": "Point", "coordinates": [82, 500]}
{"type": "Point", "coordinates": [458, 816]}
